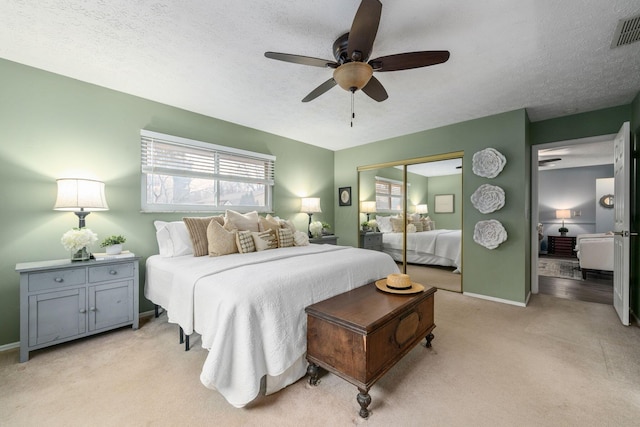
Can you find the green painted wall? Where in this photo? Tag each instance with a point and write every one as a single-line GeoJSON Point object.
{"type": "Point", "coordinates": [583, 125]}
{"type": "Point", "coordinates": [447, 184]}
{"type": "Point", "coordinates": [499, 273]}
{"type": "Point", "coordinates": [53, 126]}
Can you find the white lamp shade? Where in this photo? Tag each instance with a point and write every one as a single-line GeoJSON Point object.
{"type": "Point", "coordinates": [422, 209]}
{"type": "Point", "coordinates": [310, 205]}
{"type": "Point", "coordinates": [368, 206]}
{"type": "Point", "coordinates": [563, 214]}
{"type": "Point", "coordinates": [80, 194]}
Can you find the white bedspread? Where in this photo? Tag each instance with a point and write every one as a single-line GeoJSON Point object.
{"type": "Point", "coordinates": [249, 308]}
{"type": "Point", "coordinates": [442, 243]}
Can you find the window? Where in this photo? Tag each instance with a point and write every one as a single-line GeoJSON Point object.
{"type": "Point", "coordinates": [389, 196]}
{"type": "Point", "coordinates": [183, 175]}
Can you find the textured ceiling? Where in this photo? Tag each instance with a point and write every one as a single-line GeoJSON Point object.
{"type": "Point", "coordinates": [551, 57]}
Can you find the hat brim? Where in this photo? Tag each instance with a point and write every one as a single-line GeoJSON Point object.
{"type": "Point", "coordinates": [414, 289]}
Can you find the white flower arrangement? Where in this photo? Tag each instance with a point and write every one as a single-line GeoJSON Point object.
{"type": "Point", "coordinates": [78, 238]}
{"type": "Point", "coordinates": [315, 228]}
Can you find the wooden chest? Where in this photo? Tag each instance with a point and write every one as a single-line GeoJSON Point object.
{"type": "Point", "coordinates": [359, 335]}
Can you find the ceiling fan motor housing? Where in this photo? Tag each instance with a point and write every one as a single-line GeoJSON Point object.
{"type": "Point", "coordinates": [353, 76]}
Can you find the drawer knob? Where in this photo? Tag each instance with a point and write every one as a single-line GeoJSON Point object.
{"type": "Point", "coordinates": [113, 272]}
{"type": "Point", "coordinates": [92, 309]}
{"type": "Point", "coordinates": [83, 310]}
{"type": "Point", "coordinates": [58, 280]}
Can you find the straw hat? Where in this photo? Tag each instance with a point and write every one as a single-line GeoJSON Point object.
{"type": "Point", "coordinates": [399, 284]}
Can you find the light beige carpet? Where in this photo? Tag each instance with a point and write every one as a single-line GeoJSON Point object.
{"type": "Point", "coordinates": [554, 363]}
{"type": "Point", "coordinates": [439, 277]}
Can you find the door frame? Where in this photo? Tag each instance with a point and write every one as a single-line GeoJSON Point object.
{"type": "Point", "coordinates": [534, 194]}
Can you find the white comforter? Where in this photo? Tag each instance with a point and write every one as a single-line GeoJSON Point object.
{"type": "Point", "coordinates": [249, 308]}
{"type": "Point", "coordinates": [443, 243]}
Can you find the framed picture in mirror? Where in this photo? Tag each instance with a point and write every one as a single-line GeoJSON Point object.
{"type": "Point", "coordinates": [443, 203]}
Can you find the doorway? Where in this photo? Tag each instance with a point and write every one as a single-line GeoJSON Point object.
{"type": "Point", "coordinates": [568, 170]}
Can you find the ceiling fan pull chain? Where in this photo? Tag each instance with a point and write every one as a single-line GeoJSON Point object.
{"type": "Point", "coordinates": [353, 114]}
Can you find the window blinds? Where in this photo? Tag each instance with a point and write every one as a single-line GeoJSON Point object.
{"type": "Point", "coordinates": [177, 156]}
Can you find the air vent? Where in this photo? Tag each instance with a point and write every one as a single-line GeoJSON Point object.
{"type": "Point", "coordinates": [627, 32]}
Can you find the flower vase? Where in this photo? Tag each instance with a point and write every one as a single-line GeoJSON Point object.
{"type": "Point", "coordinates": [114, 249]}
{"type": "Point", "coordinates": [81, 255]}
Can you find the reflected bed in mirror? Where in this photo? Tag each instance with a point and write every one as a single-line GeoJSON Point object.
{"type": "Point", "coordinates": [404, 193]}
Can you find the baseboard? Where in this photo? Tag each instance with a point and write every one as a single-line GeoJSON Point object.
{"type": "Point", "coordinates": [10, 346]}
{"type": "Point", "coordinates": [13, 345]}
{"type": "Point", "coordinates": [500, 300]}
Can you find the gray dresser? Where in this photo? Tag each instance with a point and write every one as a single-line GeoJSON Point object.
{"type": "Point", "coordinates": [371, 240]}
{"type": "Point", "coordinates": [62, 300]}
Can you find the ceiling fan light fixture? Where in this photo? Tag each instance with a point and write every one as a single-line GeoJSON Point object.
{"type": "Point", "coordinates": [353, 75]}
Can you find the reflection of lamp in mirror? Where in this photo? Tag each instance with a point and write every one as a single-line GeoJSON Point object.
{"type": "Point", "coordinates": [422, 209]}
{"type": "Point", "coordinates": [563, 214]}
{"type": "Point", "coordinates": [368, 207]}
{"type": "Point", "coordinates": [80, 196]}
{"type": "Point", "coordinates": [310, 205]}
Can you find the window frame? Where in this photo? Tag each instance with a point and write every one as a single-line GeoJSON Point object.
{"type": "Point", "coordinates": [215, 155]}
{"type": "Point", "coordinates": [391, 183]}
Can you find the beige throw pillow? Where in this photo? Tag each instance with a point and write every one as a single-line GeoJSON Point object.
{"type": "Point", "coordinates": [242, 222]}
{"type": "Point", "coordinates": [285, 238]}
{"type": "Point", "coordinates": [397, 225]}
{"type": "Point", "coordinates": [269, 223]}
{"type": "Point", "coordinates": [264, 240]}
{"type": "Point", "coordinates": [221, 241]}
{"type": "Point", "coordinates": [197, 227]}
{"type": "Point", "coordinates": [244, 241]}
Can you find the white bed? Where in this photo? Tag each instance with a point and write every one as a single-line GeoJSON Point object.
{"type": "Point", "coordinates": [435, 247]}
{"type": "Point", "coordinates": [249, 308]}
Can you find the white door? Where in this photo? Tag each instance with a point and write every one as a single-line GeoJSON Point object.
{"type": "Point", "coordinates": [621, 200]}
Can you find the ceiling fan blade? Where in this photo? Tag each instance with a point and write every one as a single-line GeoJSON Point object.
{"type": "Point", "coordinates": [304, 60]}
{"type": "Point", "coordinates": [375, 90]}
{"type": "Point", "coordinates": [545, 161]}
{"type": "Point", "coordinates": [406, 61]}
{"type": "Point", "coordinates": [324, 87]}
{"type": "Point", "coordinates": [364, 29]}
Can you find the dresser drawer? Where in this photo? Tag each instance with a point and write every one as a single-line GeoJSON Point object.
{"type": "Point", "coordinates": [373, 239]}
{"type": "Point", "coordinates": [110, 272]}
{"type": "Point", "coordinates": [57, 279]}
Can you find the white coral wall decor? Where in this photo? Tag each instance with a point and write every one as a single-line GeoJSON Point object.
{"type": "Point", "coordinates": [489, 233]}
{"type": "Point", "coordinates": [488, 163]}
{"type": "Point", "coordinates": [488, 198]}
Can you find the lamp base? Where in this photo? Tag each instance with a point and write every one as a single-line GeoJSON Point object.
{"type": "Point", "coordinates": [82, 214]}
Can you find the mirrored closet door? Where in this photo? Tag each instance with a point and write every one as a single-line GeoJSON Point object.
{"type": "Point", "coordinates": [411, 210]}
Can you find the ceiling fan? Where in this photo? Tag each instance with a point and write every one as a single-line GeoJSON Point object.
{"type": "Point", "coordinates": [545, 162]}
{"type": "Point", "coordinates": [352, 70]}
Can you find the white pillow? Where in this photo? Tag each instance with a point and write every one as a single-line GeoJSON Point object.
{"type": "Point", "coordinates": [384, 224]}
{"type": "Point", "coordinates": [173, 238]}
